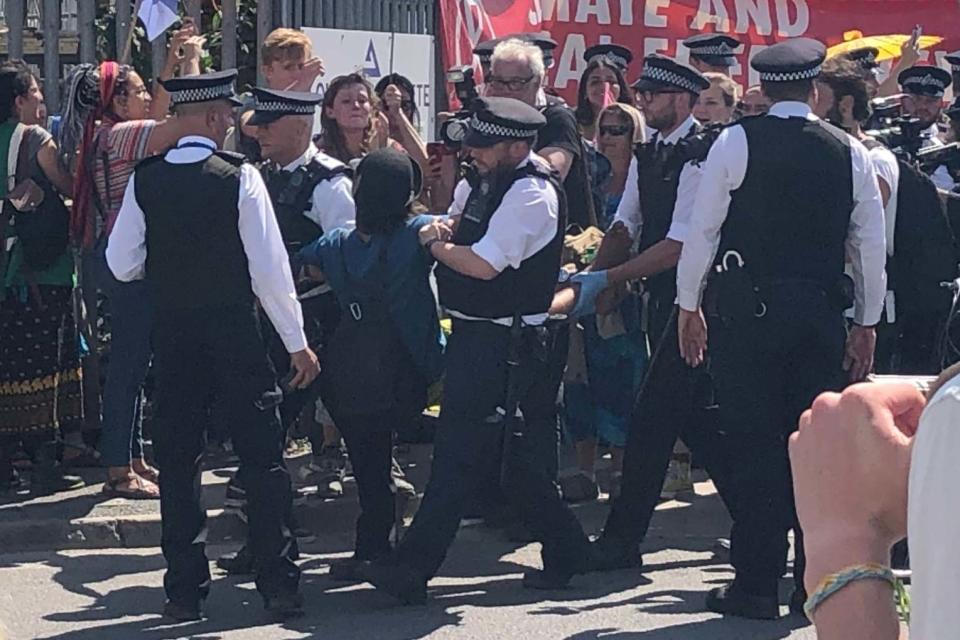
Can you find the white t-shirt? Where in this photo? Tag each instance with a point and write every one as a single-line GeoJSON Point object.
{"type": "Point", "coordinates": [888, 170]}
{"type": "Point", "coordinates": [934, 519]}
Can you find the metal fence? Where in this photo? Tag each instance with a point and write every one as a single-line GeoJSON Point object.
{"type": "Point", "coordinates": [400, 16]}
{"type": "Point", "coordinates": [34, 15]}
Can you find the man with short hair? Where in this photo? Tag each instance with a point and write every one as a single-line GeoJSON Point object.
{"type": "Point", "coordinates": [716, 104]}
{"type": "Point", "coordinates": [210, 258]}
{"type": "Point", "coordinates": [496, 276]}
{"type": "Point", "coordinates": [656, 208]}
{"type": "Point", "coordinates": [517, 70]}
{"type": "Point", "coordinates": [924, 86]}
{"type": "Point", "coordinates": [783, 202]}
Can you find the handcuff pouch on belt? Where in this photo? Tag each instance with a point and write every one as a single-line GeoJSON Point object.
{"type": "Point", "coordinates": [731, 293]}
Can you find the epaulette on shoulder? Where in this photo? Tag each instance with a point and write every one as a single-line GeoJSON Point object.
{"type": "Point", "coordinates": [236, 159]}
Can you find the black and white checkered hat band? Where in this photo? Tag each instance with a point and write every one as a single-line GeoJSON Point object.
{"type": "Point", "coordinates": [498, 130]}
{"type": "Point", "coordinates": [285, 107]}
{"type": "Point", "coordinates": [719, 50]}
{"type": "Point", "coordinates": [790, 76]}
{"type": "Point", "coordinates": [612, 58]}
{"type": "Point", "coordinates": [203, 94]}
{"type": "Point", "coordinates": [666, 76]}
{"type": "Point", "coordinates": [925, 84]}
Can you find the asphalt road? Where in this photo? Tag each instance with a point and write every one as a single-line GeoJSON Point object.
{"type": "Point", "coordinates": [116, 594]}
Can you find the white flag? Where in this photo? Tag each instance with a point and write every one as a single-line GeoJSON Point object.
{"type": "Point", "coordinates": [157, 16]}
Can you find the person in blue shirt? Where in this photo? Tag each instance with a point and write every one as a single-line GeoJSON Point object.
{"type": "Point", "coordinates": [388, 346]}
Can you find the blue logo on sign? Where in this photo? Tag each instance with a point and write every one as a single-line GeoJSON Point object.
{"type": "Point", "coordinates": [371, 65]}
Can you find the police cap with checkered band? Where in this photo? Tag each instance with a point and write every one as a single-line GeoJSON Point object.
{"type": "Point", "coordinates": [715, 49]}
{"type": "Point", "coordinates": [502, 119]}
{"type": "Point", "coordinates": [270, 105]}
{"type": "Point", "coordinates": [953, 59]}
{"type": "Point", "coordinates": [924, 80]}
{"type": "Point", "coordinates": [790, 61]}
{"type": "Point", "coordinates": [615, 54]}
{"type": "Point", "coordinates": [206, 87]}
{"type": "Point", "coordinates": [866, 57]}
{"type": "Point", "coordinates": [665, 74]}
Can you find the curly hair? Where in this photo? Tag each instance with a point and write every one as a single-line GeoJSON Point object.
{"type": "Point", "coordinates": [584, 111]}
{"type": "Point", "coordinates": [332, 140]}
{"type": "Point", "coordinates": [85, 101]}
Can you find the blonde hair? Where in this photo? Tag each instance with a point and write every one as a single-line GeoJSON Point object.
{"type": "Point", "coordinates": [283, 44]}
{"type": "Point", "coordinates": [729, 88]}
{"type": "Point", "coordinates": [514, 49]}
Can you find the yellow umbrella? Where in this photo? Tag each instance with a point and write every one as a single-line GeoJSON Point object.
{"type": "Point", "coordinates": [888, 46]}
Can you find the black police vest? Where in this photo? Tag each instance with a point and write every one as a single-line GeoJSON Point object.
{"type": "Point", "coordinates": [290, 193]}
{"type": "Point", "coordinates": [789, 219]}
{"type": "Point", "coordinates": [658, 178]}
{"type": "Point", "coordinates": [527, 290]}
{"type": "Point", "coordinates": [195, 257]}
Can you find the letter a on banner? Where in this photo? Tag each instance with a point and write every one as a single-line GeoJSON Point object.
{"type": "Point", "coordinates": [371, 65]}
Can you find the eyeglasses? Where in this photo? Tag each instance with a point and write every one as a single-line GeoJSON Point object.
{"type": "Point", "coordinates": [614, 130]}
{"type": "Point", "coordinates": [512, 84]}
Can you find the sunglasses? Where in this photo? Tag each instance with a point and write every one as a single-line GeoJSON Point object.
{"type": "Point", "coordinates": [614, 130]}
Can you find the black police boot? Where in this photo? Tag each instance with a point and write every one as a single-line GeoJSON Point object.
{"type": "Point", "coordinates": [546, 579]}
{"type": "Point", "coordinates": [239, 563]}
{"type": "Point", "coordinates": [347, 570]}
{"type": "Point", "coordinates": [404, 584]}
{"type": "Point", "coordinates": [728, 600]}
{"type": "Point", "coordinates": [283, 606]}
{"type": "Point", "coordinates": [183, 611]}
{"type": "Point", "coordinates": [611, 554]}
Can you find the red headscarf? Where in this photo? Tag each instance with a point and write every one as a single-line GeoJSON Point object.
{"type": "Point", "coordinates": [83, 217]}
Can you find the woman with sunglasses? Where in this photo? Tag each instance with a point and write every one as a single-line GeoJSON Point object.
{"type": "Point", "coordinates": [614, 345]}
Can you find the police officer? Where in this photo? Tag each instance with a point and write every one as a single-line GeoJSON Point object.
{"type": "Point", "coordinates": [866, 60]}
{"type": "Point", "coordinates": [657, 206]}
{"type": "Point", "coordinates": [712, 52]}
{"type": "Point", "coordinates": [209, 257]}
{"type": "Point", "coordinates": [953, 59]}
{"type": "Point", "coordinates": [787, 199]}
{"type": "Point", "coordinates": [496, 277]}
{"type": "Point", "coordinates": [310, 192]}
{"type": "Point", "coordinates": [924, 86]}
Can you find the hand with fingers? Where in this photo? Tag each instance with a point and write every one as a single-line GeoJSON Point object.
{"type": "Point", "coordinates": [305, 367]}
{"type": "Point", "coordinates": [692, 334]}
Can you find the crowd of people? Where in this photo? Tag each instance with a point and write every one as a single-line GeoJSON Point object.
{"type": "Point", "coordinates": [671, 271]}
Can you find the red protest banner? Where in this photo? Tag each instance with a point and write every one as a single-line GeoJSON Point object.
{"type": "Point", "coordinates": [648, 26]}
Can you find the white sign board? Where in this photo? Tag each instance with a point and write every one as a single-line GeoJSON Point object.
{"type": "Point", "coordinates": [376, 54]}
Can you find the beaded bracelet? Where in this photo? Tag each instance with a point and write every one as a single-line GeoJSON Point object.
{"type": "Point", "coordinates": [834, 582]}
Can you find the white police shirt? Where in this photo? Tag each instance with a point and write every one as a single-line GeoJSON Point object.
{"type": "Point", "coordinates": [724, 172]}
{"type": "Point", "coordinates": [931, 140]}
{"type": "Point", "coordinates": [269, 266]}
{"type": "Point", "coordinates": [932, 522]}
{"type": "Point", "coordinates": [331, 205]}
{"type": "Point", "coordinates": [629, 211]}
{"type": "Point", "coordinates": [533, 210]}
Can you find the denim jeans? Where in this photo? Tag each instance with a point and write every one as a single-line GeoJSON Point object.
{"type": "Point", "coordinates": [131, 325]}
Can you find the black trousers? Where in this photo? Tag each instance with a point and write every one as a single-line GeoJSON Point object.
{"type": "Point", "coordinates": [220, 348]}
{"type": "Point", "coordinates": [320, 315]}
{"type": "Point", "coordinates": [767, 371]}
{"type": "Point", "coordinates": [470, 435]}
{"type": "Point", "coordinates": [674, 401]}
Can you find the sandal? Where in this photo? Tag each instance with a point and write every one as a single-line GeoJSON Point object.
{"type": "Point", "coordinates": [136, 488]}
{"type": "Point", "coordinates": [150, 474]}
{"type": "Point", "coordinates": [86, 457]}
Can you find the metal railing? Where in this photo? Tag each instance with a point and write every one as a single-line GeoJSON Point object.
{"type": "Point", "coordinates": [400, 16]}
{"type": "Point", "coordinates": [34, 15]}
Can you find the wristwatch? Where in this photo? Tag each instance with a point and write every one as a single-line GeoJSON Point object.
{"type": "Point", "coordinates": [429, 244]}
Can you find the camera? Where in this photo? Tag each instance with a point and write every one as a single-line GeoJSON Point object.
{"type": "Point", "coordinates": [453, 130]}
{"type": "Point", "coordinates": [901, 134]}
